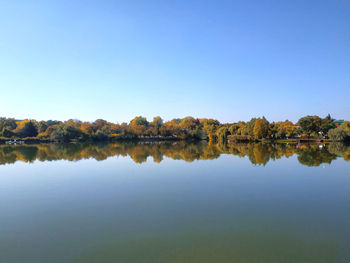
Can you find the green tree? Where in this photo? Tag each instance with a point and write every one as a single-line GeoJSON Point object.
{"type": "Point", "coordinates": [249, 127]}
{"type": "Point", "coordinates": [65, 133]}
{"type": "Point", "coordinates": [139, 120]}
{"type": "Point", "coordinates": [338, 134]}
{"type": "Point", "coordinates": [310, 125]}
{"type": "Point", "coordinates": [28, 130]}
{"type": "Point", "coordinates": [42, 126]}
{"type": "Point", "coordinates": [7, 133]}
{"type": "Point", "coordinates": [101, 136]}
{"type": "Point", "coordinates": [8, 123]}
{"type": "Point", "coordinates": [326, 125]}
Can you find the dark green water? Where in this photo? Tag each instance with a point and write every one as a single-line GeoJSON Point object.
{"type": "Point", "coordinates": [174, 202]}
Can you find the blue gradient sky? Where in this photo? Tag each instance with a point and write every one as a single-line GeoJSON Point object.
{"type": "Point", "coordinates": [229, 60]}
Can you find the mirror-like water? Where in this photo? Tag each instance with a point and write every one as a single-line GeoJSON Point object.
{"type": "Point", "coordinates": [258, 153]}
{"type": "Point", "coordinates": [174, 202]}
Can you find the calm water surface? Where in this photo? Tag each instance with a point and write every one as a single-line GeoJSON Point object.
{"type": "Point", "coordinates": [174, 202]}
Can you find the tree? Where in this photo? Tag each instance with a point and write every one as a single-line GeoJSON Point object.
{"type": "Point", "coordinates": [261, 128]}
{"type": "Point", "coordinates": [310, 125]}
{"type": "Point", "coordinates": [188, 123]}
{"type": "Point", "coordinates": [284, 129]}
{"type": "Point", "coordinates": [258, 129]}
{"type": "Point", "coordinates": [209, 127]}
{"type": "Point", "coordinates": [51, 123]}
{"type": "Point", "coordinates": [28, 130]}
{"type": "Point", "coordinates": [139, 121]}
{"type": "Point", "coordinates": [7, 133]}
{"type": "Point", "coordinates": [42, 126]}
{"type": "Point", "coordinates": [346, 127]}
{"type": "Point", "coordinates": [99, 124]}
{"type": "Point", "coordinates": [326, 124]}
{"type": "Point", "coordinates": [221, 134]}
{"type": "Point", "coordinates": [242, 128]}
{"type": "Point", "coordinates": [8, 123]}
{"type": "Point", "coordinates": [338, 134]}
{"type": "Point", "coordinates": [157, 122]}
{"type": "Point", "coordinates": [87, 128]}
{"type": "Point", "coordinates": [249, 127]}
{"type": "Point", "coordinates": [71, 132]}
{"type": "Point", "coordinates": [101, 136]}
{"type": "Point", "coordinates": [64, 133]}
{"type": "Point", "coordinates": [139, 126]}
{"type": "Point", "coordinates": [233, 129]}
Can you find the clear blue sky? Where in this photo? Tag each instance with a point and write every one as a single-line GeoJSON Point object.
{"type": "Point", "coordinates": [229, 60]}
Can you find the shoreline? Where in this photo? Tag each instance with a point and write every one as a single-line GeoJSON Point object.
{"type": "Point", "coordinates": [36, 140]}
{"type": "Point", "coordinates": [150, 140]}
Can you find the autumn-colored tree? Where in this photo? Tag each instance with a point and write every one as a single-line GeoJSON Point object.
{"type": "Point", "coordinates": [258, 128]}
{"type": "Point", "coordinates": [211, 137]}
{"type": "Point", "coordinates": [155, 125]}
{"type": "Point", "coordinates": [209, 126]}
{"type": "Point", "coordinates": [20, 125]}
{"type": "Point", "coordinates": [285, 129]}
{"type": "Point", "coordinates": [188, 123]}
{"type": "Point", "coordinates": [157, 121]}
{"type": "Point", "coordinates": [261, 128]}
{"type": "Point", "coordinates": [87, 128]}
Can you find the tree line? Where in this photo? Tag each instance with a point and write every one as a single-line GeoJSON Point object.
{"type": "Point", "coordinates": [188, 128]}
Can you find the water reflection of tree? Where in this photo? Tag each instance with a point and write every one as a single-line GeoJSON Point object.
{"type": "Point", "coordinates": [261, 153]}
{"type": "Point", "coordinates": [257, 153]}
{"type": "Point", "coordinates": [313, 155]}
{"type": "Point", "coordinates": [340, 149]}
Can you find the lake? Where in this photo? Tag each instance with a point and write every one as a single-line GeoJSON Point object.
{"type": "Point", "coordinates": [174, 202]}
